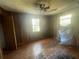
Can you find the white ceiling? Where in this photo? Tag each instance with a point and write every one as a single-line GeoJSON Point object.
{"type": "Point", "coordinates": [29, 7]}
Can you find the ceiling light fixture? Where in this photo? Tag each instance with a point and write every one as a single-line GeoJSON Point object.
{"type": "Point", "coordinates": [42, 4]}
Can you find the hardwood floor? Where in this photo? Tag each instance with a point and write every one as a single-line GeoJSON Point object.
{"type": "Point", "coordinates": [33, 49]}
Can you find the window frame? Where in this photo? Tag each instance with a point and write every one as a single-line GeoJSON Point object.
{"type": "Point", "coordinates": [35, 25]}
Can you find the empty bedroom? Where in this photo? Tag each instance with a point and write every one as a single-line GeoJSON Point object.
{"type": "Point", "coordinates": [39, 29]}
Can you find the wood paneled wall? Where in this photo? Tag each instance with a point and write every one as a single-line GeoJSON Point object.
{"type": "Point", "coordinates": [23, 28]}
{"type": "Point", "coordinates": [0, 11]}
{"type": "Point", "coordinates": [8, 29]}
{"type": "Point", "coordinates": [17, 28]}
{"type": "Point", "coordinates": [1, 56]}
{"type": "Point", "coordinates": [21, 37]}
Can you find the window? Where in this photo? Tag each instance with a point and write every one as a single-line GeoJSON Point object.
{"type": "Point", "coordinates": [65, 20]}
{"type": "Point", "coordinates": [35, 25]}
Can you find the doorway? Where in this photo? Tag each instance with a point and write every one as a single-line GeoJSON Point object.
{"type": "Point", "coordinates": [65, 29]}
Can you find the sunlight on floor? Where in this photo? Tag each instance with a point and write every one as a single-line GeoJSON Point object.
{"type": "Point", "coordinates": [37, 49]}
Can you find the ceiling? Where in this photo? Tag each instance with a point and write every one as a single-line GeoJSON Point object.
{"type": "Point", "coordinates": [28, 6]}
